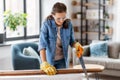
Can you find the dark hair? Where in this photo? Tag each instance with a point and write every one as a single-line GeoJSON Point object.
{"type": "Point", "coordinates": [59, 8]}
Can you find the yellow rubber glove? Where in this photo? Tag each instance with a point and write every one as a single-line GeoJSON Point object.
{"type": "Point", "coordinates": [79, 49]}
{"type": "Point", "coordinates": [47, 68]}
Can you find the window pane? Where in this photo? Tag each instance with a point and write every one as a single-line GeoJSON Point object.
{"type": "Point", "coordinates": [14, 6]}
{"type": "Point", "coordinates": [1, 17]}
{"type": "Point", "coordinates": [17, 33]}
{"type": "Point", "coordinates": [32, 8]}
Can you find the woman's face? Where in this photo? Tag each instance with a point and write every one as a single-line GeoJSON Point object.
{"type": "Point", "coordinates": [59, 18]}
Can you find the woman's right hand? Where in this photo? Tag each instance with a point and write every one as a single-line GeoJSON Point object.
{"type": "Point", "coordinates": [47, 68]}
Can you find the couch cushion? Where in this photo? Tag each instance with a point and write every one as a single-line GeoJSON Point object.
{"type": "Point", "coordinates": [113, 64]}
{"type": "Point", "coordinates": [99, 49]}
{"type": "Point", "coordinates": [31, 52]}
{"type": "Point", "coordinates": [108, 63]}
{"type": "Point", "coordinates": [113, 50]}
{"type": "Point", "coordinates": [95, 60]}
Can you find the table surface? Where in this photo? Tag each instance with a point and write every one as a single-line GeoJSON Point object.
{"type": "Point", "coordinates": [44, 77]}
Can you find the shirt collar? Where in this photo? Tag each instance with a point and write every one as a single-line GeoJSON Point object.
{"type": "Point", "coordinates": [54, 24]}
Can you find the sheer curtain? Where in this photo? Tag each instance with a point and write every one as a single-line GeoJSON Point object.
{"type": "Point", "coordinates": [116, 21]}
{"type": "Point", "coordinates": [1, 17]}
{"type": "Point", "coordinates": [33, 17]}
{"type": "Point", "coordinates": [14, 6]}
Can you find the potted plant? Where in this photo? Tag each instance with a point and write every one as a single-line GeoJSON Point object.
{"type": "Point", "coordinates": [107, 29]}
{"type": "Point", "coordinates": [78, 15]}
{"type": "Point", "coordinates": [106, 15]}
{"type": "Point", "coordinates": [14, 20]}
{"type": "Point", "coordinates": [107, 2]}
{"type": "Point", "coordinates": [74, 3]}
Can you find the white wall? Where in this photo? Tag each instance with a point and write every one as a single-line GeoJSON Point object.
{"type": "Point", "coordinates": [1, 18]}
{"type": "Point", "coordinates": [116, 21]}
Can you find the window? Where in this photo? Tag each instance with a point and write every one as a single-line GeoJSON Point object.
{"type": "Point", "coordinates": [14, 6]}
{"type": "Point", "coordinates": [32, 8]}
{"type": "Point", "coordinates": [33, 17]}
{"type": "Point", "coordinates": [1, 17]}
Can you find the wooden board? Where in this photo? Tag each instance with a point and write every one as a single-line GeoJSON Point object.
{"type": "Point", "coordinates": [40, 72]}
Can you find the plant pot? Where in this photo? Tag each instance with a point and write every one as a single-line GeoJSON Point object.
{"type": "Point", "coordinates": [107, 2]}
{"type": "Point", "coordinates": [106, 31]}
{"type": "Point", "coordinates": [78, 16]}
{"type": "Point", "coordinates": [1, 38]}
{"type": "Point", "coordinates": [74, 16]}
{"type": "Point", "coordinates": [74, 3]}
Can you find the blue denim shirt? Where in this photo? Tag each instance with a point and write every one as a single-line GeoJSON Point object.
{"type": "Point", "coordinates": [48, 37]}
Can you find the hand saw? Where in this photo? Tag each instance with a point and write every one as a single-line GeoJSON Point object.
{"type": "Point", "coordinates": [82, 64]}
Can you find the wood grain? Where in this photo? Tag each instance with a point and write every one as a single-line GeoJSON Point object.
{"type": "Point", "coordinates": [40, 72]}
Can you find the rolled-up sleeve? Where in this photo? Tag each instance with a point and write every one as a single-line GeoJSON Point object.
{"type": "Point", "coordinates": [43, 37]}
{"type": "Point", "coordinates": [72, 38]}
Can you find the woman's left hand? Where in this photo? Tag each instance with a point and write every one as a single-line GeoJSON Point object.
{"type": "Point", "coordinates": [79, 49]}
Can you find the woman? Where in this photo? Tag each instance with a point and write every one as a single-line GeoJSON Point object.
{"type": "Point", "coordinates": [55, 37]}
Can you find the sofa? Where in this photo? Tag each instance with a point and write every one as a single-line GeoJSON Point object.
{"type": "Point", "coordinates": [111, 63]}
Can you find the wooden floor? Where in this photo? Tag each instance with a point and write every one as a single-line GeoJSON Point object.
{"type": "Point", "coordinates": [102, 77]}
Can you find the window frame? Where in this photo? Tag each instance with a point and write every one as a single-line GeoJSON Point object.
{"type": "Point", "coordinates": [25, 29]}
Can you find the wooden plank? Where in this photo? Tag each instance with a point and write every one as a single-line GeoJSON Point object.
{"type": "Point", "coordinates": [40, 72]}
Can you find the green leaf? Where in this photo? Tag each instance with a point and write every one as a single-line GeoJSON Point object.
{"type": "Point", "coordinates": [14, 20]}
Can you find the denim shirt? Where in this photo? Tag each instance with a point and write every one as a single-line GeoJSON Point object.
{"type": "Point", "coordinates": [48, 37]}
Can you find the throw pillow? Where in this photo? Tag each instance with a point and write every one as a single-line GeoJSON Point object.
{"type": "Point", "coordinates": [86, 51]}
{"type": "Point", "coordinates": [31, 52]}
{"type": "Point", "coordinates": [99, 49]}
{"type": "Point", "coordinates": [113, 49]}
